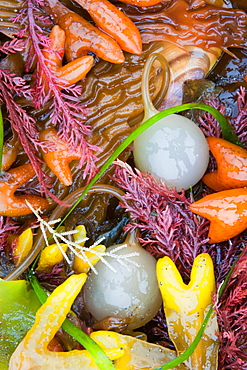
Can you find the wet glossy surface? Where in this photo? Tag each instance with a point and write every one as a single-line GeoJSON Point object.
{"type": "Point", "coordinates": [15, 205]}
{"type": "Point", "coordinates": [229, 74]}
{"type": "Point", "coordinates": [114, 23]}
{"type": "Point", "coordinates": [231, 170]}
{"type": "Point", "coordinates": [227, 211]}
{"type": "Point", "coordinates": [32, 352]}
{"type": "Point", "coordinates": [185, 306]}
{"type": "Point", "coordinates": [178, 23]}
{"type": "Point", "coordinates": [174, 150]}
{"type": "Point", "coordinates": [59, 159]}
{"type": "Point", "coordinates": [130, 292]}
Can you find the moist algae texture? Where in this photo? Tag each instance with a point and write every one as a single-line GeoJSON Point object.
{"type": "Point", "coordinates": [18, 306]}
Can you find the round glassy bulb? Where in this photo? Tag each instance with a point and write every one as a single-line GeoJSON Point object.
{"type": "Point", "coordinates": [173, 149]}
{"type": "Point", "coordinates": [130, 292]}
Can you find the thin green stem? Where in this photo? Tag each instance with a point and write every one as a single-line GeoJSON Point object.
{"type": "Point", "coordinates": [99, 356]}
{"type": "Point", "coordinates": [228, 134]}
{"type": "Point", "coordinates": [186, 354]}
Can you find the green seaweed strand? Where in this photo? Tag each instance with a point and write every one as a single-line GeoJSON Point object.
{"type": "Point", "coordinates": [226, 128]}
{"type": "Point", "coordinates": [99, 356]}
{"type": "Point", "coordinates": [186, 354]}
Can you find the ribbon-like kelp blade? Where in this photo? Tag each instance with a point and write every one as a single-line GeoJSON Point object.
{"type": "Point", "coordinates": [1, 139]}
{"type": "Point", "coordinates": [99, 356]}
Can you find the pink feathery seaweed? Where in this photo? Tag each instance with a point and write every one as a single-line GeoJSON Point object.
{"type": "Point", "coordinates": [210, 126]}
{"type": "Point", "coordinates": [167, 226]}
{"type": "Point", "coordinates": [225, 253]}
{"type": "Point", "coordinates": [12, 46]}
{"type": "Point", "coordinates": [240, 121]}
{"type": "Point", "coordinates": [232, 319]}
{"type": "Point", "coordinates": [55, 277]}
{"type": "Point", "coordinates": [67, 112]}
{"type": "Point", "coordinates": [23, 124]}
{"type": "Point", "coordinates": [208, 123]}
{"type": "Point", "coordinates": [7, 227]}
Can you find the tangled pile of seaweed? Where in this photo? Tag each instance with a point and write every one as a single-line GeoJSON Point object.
{"type": "Point", "coordinates": [43, 104]}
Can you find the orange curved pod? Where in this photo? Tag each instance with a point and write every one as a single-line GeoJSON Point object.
{"type": "Point", "coordinates": [12, 205]}
{"type": "Point", "coordinates": [226, 211]}
{"type": "Point", "coordinates": [71, 72]}
{"type": "Point", "coordinates": [76, 70]}
{"type": "Point", "coordinates": [82, 37]}
{"type": "Point", "coordinates": [59, 159]}
{"type": "Point", "coordinates": [55, 52]}
{"type": "Point", "coordinates": [141, 2]}
{"type": "Point", "coordinates": [231, 161]}
{"type": "Point", "coordinates": [115, 23]}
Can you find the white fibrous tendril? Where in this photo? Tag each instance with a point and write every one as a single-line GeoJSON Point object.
{"type": "Point", "coordinates": [74, 246]}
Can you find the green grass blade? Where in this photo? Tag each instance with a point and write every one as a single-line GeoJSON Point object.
{"type": "Point", "coordinates": [186, 354]}
{"type": "Point", "coordinates": [225, 126]}
{"type": "Point", "coordinates": [99, 356]}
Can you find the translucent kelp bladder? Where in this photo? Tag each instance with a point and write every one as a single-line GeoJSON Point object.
{"type": "Point", "coordinates": [174, 149]}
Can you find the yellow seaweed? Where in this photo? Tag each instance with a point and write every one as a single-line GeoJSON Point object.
{"type": "Point", "coordinates": [185, 307]}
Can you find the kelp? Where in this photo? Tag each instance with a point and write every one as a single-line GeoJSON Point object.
{"type": "Point", "coordinates": [219, 255]}
{"type": "Point", "coordinates": [166, 21]}
{"type": "Point", "coordinates": [118, 100]}
{"type": "Point", "coordinates": [112, 94]}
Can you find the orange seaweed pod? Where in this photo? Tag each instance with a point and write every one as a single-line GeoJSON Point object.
{"type": "Point", "coordinates": [10, 151]}
{"type": "Point", "coordinates": [58, 160]}
{"type": "Point", "coordinates": [76, 70]}
{"type": "Point", "coordinates": [115, 23]}
{"type": "Point", "coordinates": [142, 2]}
{"type": "Point", "coordinates": [12, 205]}
{"type": "Point", "coordinates": [82, 37]}
{"type": "Point", "coordinates": [226, 211]}
{"type": "Point", "coordinates": [71, 72]}
{"type": "Point", "coordinates": [55, 52]}
{"type": "Point", "coordinates": [231, 161]}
